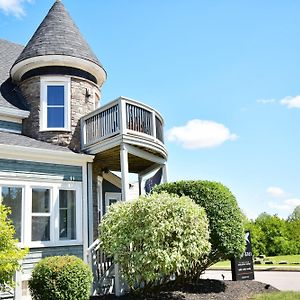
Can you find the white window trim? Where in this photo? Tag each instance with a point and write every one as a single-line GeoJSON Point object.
{"type": "Point", "coordinates": [54, 212]}
{"type": "Point", "coordinates": [55, 80]}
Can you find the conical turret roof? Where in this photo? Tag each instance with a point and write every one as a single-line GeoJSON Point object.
{"type": "Point", "coordinates": [58, 35]}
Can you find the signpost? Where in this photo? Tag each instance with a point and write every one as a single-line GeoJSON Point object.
{"type": "Point", "coordinates": [242, 268]}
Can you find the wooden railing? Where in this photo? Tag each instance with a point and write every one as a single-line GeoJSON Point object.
{"type": "Point", "coordinates": [101, 266]}
{"type": "Point", "coordinates": [121, 116]}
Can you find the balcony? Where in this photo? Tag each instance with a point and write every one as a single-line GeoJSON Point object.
{"type": "Point", "coordinates": [123, 121]}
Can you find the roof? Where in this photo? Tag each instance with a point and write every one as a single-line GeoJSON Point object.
{"type": "Point", "coordinates": [58, 35]}
{"type": "Point", "coordinates": [14, 139]}
{"type": "Point", "coordinates": [10, 97]}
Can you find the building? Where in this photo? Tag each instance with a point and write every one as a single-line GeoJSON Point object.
{"type": "Point", "coordinates": [59, 146]}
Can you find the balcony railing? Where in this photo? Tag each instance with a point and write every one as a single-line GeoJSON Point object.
{"type": "Point", "coordinates": [122, 116]}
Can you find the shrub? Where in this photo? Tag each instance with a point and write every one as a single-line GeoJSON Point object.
{"type": "Point", "coordinates": [10, 254]}
{"type": "Point", "coordinates": [154, 237]}
{"type": "Point", "coordinates": [225, 218]}
{"type": "Point", "coordinates": [61, 278]}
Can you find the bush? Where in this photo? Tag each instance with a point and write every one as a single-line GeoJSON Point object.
{"type": "Point", "coordinates": [61, 278]}
{"type": "Point", "coordinates": [225, 218]}
{"type": "Point", "coordinates": [155, 237]}
{"type": "Point", "coordinates": [10, 254]}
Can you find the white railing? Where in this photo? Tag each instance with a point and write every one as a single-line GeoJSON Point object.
{"type": "Point", "coordinates": [121, 116]}
{"type": "Point", "coordinates": [101, 266]}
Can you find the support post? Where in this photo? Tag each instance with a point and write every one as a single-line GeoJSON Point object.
{"type": "Point", "coordinates": [90, 204]}
{"type": "Point", "coordinates": [164, 173]}
{"type": "Point", "coordinates": [124, 171]}
{"type": "Point", "coordinates": [140, 184]}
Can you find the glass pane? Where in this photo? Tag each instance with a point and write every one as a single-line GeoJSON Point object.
{"type": "Point", "coordinates": [56, 117]}
{"type": "Point", "coordinates": [12, 197]}
{"type": "Point", "coordinates": [55, 95]}
{"type": "Point", "coordinates": [40, 229]}
{"type": "Point", "coordinates": [40, 200]}
{"type": "Point", "coordinates": [67, 215]}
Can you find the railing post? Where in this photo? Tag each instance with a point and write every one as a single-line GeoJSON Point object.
{"type": "Point", "coordinates": [153, 124]}
{"type": "Point", "coordinates": [83, 132]}
{"type": "Point", "coordinates": [123, 115]}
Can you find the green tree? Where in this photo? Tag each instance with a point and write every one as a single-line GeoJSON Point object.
{"type": "Point", "coordinates": [225, 218]}
{"type": "Point", "coordinates": [155, 237]}
{"type": "Point", "coordinates": [258, 240]}
{"type": "Point", "coordinates": [275, 234]}
{"type": "Point", "coordinates": [10, 253]}
{"type": "Point", "coordinates": [295, 215]}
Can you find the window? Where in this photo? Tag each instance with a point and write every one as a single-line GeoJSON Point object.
{"type": "Point", "coordinates": [44, 214]}
{"type": "Point", "coordinates": [12, 198]}
{"type": "Point", "coordinates": [67, 215]}
{"type": "Point", "coordinates": [40, 228]}
{"type": "Point", "coordinates": [55, 103]}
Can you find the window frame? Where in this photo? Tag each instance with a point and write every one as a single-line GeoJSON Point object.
{"type": "Point", "coordinates": [16, 185]}
{"type": "Point", "coordinates": [26, 223]}
{"type": "Point", "coordinates": [55, 81]}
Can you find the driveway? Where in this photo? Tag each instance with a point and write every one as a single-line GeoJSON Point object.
{"type": "Point", "coordinates": [284, 281]}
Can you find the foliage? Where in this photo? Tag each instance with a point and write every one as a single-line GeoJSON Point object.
{"type": "Point", "coordinates": [225, 218]}
{"type": "Point", "coordinates": [295, 215]}
{"type": "Point", "coordinates": [155, 237]}
{"type": "Point", "coordinates": [61, 278]}
{"type": "Point", "coordinates": [10, 253]}
{"type": "Point", "coordinates": [272, 235]}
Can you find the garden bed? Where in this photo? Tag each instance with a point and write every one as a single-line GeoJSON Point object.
{"type": "Point", "coordinates": [206, 289]}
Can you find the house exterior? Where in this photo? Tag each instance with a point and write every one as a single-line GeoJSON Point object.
{"type": "Point", "coordinates": [59, 146]}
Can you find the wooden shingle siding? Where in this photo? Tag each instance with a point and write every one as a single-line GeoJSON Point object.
{"type": "Point", "coordinates": [69, 173]}
{"type": "Point", "coordinates": [10, 126]}
{"type": "Point", "coordinates": [35, 255]}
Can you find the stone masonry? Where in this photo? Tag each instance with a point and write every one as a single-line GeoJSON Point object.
{"type": "Point", "coordinates": [83, 101]}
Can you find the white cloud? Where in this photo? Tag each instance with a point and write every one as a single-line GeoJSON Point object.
{"type": "Point", "coordinates": [291, 102]}
{"type": "Point", "coordinates": [288, 204]}
{"type": "Point", "coordinates": [14, 7]}
{"type": "Point", "coordinates": [275, 191]}
{"type": "Point", "coordinates": [265, 101]}
{"type": "Point", "coordinates": [199, 134]}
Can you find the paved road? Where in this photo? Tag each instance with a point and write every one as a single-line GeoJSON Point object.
{"type": "Point", "coordinates": [284, 281]}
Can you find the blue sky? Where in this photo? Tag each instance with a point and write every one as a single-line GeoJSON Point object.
{"type": "Point", "coordinates": [224, 74]}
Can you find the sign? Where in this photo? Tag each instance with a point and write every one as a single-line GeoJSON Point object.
{"type": "Point", "coordinates": [242, 268]}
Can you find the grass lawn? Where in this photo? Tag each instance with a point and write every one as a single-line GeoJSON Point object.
{"type": "Point", "coordinates": [291, 259]}
{"type": "Point", "coordinates": [278, 296]}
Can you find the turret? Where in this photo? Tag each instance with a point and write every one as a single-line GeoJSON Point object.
{"type": "Point", "coordinates": [60, 77]}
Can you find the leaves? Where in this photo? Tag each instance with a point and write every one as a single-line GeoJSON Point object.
{"type": "Point", "coordinates": [154, 237]}
{"type": "Point", "coordinates": [10, 253]}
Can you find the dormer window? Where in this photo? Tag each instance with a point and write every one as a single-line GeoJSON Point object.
{"type": "Point", "coordinates": [55, 104]}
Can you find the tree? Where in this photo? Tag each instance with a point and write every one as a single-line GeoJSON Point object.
{"type": "Point", "coordinates": [295, 215]}
{"type": "Point", "coordinates": [225, 218]}
{"type": "Point", "coordinates": [275, 235]}
{"type": "Point", "coordinates": [10, 254]}
{"type": "Point", "coordinates": [155, 237]}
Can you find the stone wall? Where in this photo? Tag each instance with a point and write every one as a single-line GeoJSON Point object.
{"type": "Point", "coordinates": [81, 104]}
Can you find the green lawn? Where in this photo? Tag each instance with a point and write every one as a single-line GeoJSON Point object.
{"type": "Point", "coordinates": [278, 296]}
{"type": "Point", "coordinates": [291, 259]}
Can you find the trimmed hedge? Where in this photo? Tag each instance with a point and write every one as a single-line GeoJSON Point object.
{"type": "Point", "coordinates": [61, 278]}
{"type": "Point", "coordinates": [155, 237]}
{"type": "Point", "coordinates": [225, 218]}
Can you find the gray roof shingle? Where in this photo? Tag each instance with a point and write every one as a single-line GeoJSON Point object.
{"type": "Point", "coordinates": [58, 35]}
{"type": "Point", "coordinates": [10, 96]}
{"type": "Point", "coordinates": [14, 139]}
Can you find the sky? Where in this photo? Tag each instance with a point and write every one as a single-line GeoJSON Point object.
{"type": "Point", "coordinates": [225, 75]}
